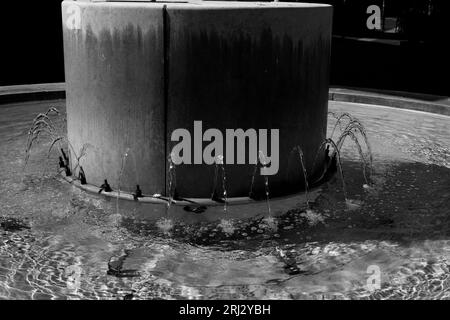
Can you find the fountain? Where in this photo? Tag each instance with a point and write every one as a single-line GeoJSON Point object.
{"type": "Point", "coordinates": [389, 214]}
{"type": "Point", "coordinates": [136, 72]}
{"type": "Point", "coordinates": [361, 187]}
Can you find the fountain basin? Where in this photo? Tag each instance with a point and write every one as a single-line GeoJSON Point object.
{"type": "Point", "coordinates": [135, 72]}
{"type": "Point", "coordinates": [401, 221]}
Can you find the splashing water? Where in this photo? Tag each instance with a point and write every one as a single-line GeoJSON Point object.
{"type": "Point", "coordinates": [78, 157]}
{"type": "Point", "coordinates": [119, 180]}
{"type": "Point", "coordinates": [227, 226]}
{"type": "Point", "coordinates": [305, 174]}
{"type": "Point", "coordinates": [263, 160]}
{"type": "Point", "coordinates": [329, 142]}
{"type": "Point", "coordinates": [312, 217]}
{"type": "Point", "coordinates": [172, 181]}
{"type": "Point", "coordinates": [252, 184]}
{"type": "Point", "coordinates": [220, 174]}
{"type": "Point", "coordinates": [46, 124]}
{"type": "Point", "coordinates": [42, 123]}
{"type": "Point", "coordinates": [351, 129]}
{"type": "Point", "coordinates": [271, 223]}
{"type": "Point", "coordinates": [165, 225]}
{"type": "Point", "coordinates": [339, 162]}
{"type": "Point", "coordinates": [353, 204]}
{"type": "Point", "coordinates": [340, 118]}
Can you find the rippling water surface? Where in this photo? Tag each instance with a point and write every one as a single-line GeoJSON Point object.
{"type": "Point", "coordinates": [56, 241]}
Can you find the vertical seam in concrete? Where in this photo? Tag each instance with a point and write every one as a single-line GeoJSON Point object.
{"type": "Point", "coordinates": [166, 49]}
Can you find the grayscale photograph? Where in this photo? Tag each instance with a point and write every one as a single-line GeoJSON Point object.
{"type": "Point", "coordinates": [225, 155]}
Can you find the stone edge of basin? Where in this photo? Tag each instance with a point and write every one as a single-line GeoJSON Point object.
{"type": "Point", "coordinates": [161, 200]}
{"type": "Point", "coordinates": [206, 4]}
{"type": "Point", "coordinates": [394, 99]}
{"type": "Point", "coordinates": [31, 92]}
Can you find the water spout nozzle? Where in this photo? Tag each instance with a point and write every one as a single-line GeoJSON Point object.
{"type": "Point", "coordinates": [61, 163]}
{"type": "Point", "coordinates": [138, 193]}
{"type": "Point", "coordinates": [105, 187]}
{"type": "Point", "coordinates": [82, 176]}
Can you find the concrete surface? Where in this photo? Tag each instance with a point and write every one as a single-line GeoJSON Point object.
{"type": "Point", "coordinates": [250, 67]}
{"type": "Point", "coordinates": [115, 92]}
{"type": "Point", "coordinates": [395, 99]}
{"type": "Point", "coordinates": [21, 93]}
{"type": "Point", "coordinates": [137, 71]}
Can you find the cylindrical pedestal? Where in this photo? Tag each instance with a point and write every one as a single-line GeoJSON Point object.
{"type": "Point", "coordinates": [135, 72]}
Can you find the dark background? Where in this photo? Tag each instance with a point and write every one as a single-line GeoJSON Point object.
{"type": "Point", "coordinates": [31, 42]}
{"type": "Point", "coordinates": [417, 59]}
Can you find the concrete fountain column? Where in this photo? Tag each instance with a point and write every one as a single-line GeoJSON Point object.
{"type": "Point", "coordinates": [136, 71]}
